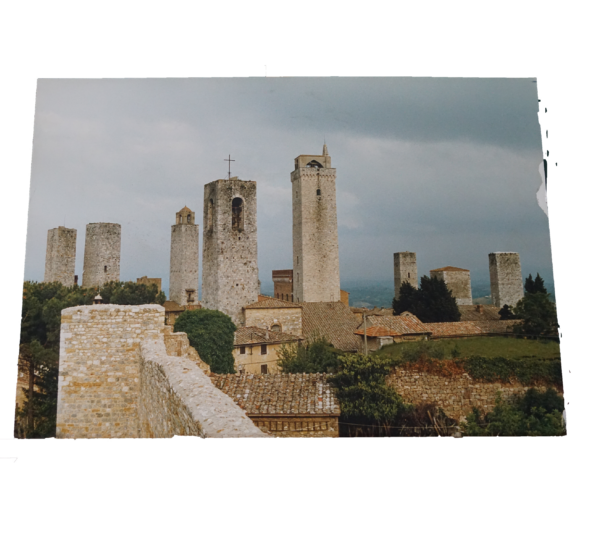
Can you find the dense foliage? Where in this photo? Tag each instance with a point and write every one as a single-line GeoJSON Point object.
{"type": "Point", "coordinates": [314, 356]}
{"type": "Point", "coordinates": [506, 313]}
{"type": "Point", "coordinates": [40, 342]}
{"type": "Point", "coordinates": [431, 303]}
{"type": "Point", "coordinates": [212, 334]}
{"type": "Point", "coordinates": [536, 310]}
{"type": "Point", "coordinates": [535, 413]}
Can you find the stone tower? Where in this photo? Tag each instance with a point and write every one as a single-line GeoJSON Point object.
{"type": "Point", "coordinates": [458, 282]}
{"type": "Point", "coordinates": [102, 256]}
{"type": "Point", "coordinates": [405, 270]}
{"type": "Point", "coordinates": [229, 247]}
{"type": "Point", "coordinates": [505, 278]}
{"type": "Point", "coordinates": [60, 256]}
{"type": "Point", "coordinates": [315, 234]}
{"type": "Point", "coordinates": [183, 279]}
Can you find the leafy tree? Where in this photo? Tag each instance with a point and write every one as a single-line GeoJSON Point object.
{"type": "Point", "coordinates": [506, 312]}
{"type": "Point", "coordinates": [317, 355]}
{"type": "Point", "coordinates": [211, 333]}
{"type": "Point", "coordinates": [131, 293]}
{"type": "Point", "coordinates": [534, 414]}
{"type": "Point", "coordinates": [536, 310]}
{"type": "Point", "coordinates": [431, 303]}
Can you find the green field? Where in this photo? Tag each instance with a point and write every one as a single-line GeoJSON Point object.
{"type": "Point", "coordinates": [493, 346]}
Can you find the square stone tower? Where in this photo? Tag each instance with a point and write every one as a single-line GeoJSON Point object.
{"type": "Point", "coordinates": [405, 270]}
{"type": "Point", "coordinates": [102, 255]}
{"type": "Point", "coordinates": [458, 282]}
{"type": "Point", "coordinates": [229, 247]}
{"type": "Point", "coordinates": [505, 278]}
{"type": "Point", "coordinates": [283, 284]}
{"type": "Point", "coordinates": [60, 256]}
{"type": "Point", "coordinates": [315, 234]}
{"type": "Point", "coordinates": [185, 250]}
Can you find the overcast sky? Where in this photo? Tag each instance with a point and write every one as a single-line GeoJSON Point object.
{"type": "Point", "coordinates": [447, 168]}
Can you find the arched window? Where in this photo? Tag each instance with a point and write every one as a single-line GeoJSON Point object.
{"type": "Point", "coordinates": [189, 219]}
{"type": "Point", "coordinates": [276, 328]}
{"type": "Point", "coordinates": [314, 164]}
{"type": "Point", "coordinates": [180, 219]}
{"type": "Point", "coordinates": [237, 214]}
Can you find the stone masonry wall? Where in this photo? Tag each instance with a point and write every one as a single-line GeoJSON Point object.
{"type": "Point", "coordinates": [456, 395]}
{"type": "Point", "coordinates": [405, 270]}
{"type": "Point", "coordinates": [102, 256]}
{"type": "Point", "coordinates": [98, 383]}
{"type": "Point", "coordinates": [506, 279]}
{"type": "Point", "coordinates": [298, 426]}
{"type": "Point", "coordinates": [229, 253]}
{"type": "Point", "coordinates": [117, 380]}
{"type": "Point", "coordinates": [458, 282]}
{"type": "Point", "coordinates": [60, 256]}
{"type": "Point", "coordinates": [184, 262]}
{"type": "Point", "coordinates": [315, 235]}
{"type": "Point", "coordinates": [290, 319]}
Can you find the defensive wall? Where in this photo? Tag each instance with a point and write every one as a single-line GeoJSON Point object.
{"type": "Point", "coordinates": [117, 379]}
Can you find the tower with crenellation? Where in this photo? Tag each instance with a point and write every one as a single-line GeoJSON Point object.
{"type": "Point", "coordinates": [183, 275]}
{"type": "Point", "coordinates": [229, 247]}
{"type": "Point", "coordinates": [315, 235]}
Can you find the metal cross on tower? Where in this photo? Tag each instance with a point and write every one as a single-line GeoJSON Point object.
{"type": "Point", "coordinates": [230, 161]}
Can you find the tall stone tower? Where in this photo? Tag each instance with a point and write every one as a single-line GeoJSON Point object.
{"type": "Point", "coordinates": [60, 256]}
{"type": "Point", "coordinates": [229, 247]}
{"type": "Point", "coordinates": [505, 278]}
{"type": "Point", "coordinates": [458, 281]}
{"type": "Point", "coordinates": [315, 234]}
{"type": "Point", "coordinates": [183, 279]}
{"type": "Point", "coordinates": [102, 256]}
{"type": "Point", "coordinates": [405, 270]}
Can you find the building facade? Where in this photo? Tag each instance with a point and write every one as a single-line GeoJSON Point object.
{"type": "Point", "coordinates": [506, 279]}
{"type": "Point", "coordinates": [102, 255]}
{"type": "Point", "coordinates": [60, 256]}
{"type": "Point", "coordinates": [283, 284]}
{"type": "Point", "coordinates": [183, 279]}
{"type": "Point", "coordinates": [315, 234]}
{"type": "Point", "coordinates": [405, 270]}
{"type": "Point", "coordinates": [229, 249]}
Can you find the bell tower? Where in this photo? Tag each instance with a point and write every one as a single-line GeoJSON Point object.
{"type": "Point", "coordinates": [183, 279]}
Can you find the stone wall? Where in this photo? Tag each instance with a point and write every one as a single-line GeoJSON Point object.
{"type": "Point", "coordinates": [506, 279]}
{"type": "Point", "coordinates": [405, 270]}
{"type": "Point", "coordinates": [229, 249]}
{"type": "Point", "coordinates": [60, 256]}
{"type": "Point", "coordinates": [298, 426]}
{"type": "Point", "coordinates": [116, 379]}
{"type": "Point", "coordinates": [458, 282]}
{"type": "Point", "coordinates": [315, 233]}
{"type": "Point", "coordinates": [178, 345]}
{"type": "Point", "coordinates": [456, 395]}
{"type": "Point", "coordinates": [290, 319]}
{"type": "Point", "coordinates": [184, 259]}
{"type": "Point", "coordinates": [149, 281]}
{"type": "Point", "coordinates": [102, 255]}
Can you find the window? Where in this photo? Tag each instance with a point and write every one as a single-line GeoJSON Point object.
{"type": "Point", "coordinates": [408, 275]}
{"type": "Point", "coordinates": [264, 369]}
{"type": "Point", "coordinates": [276, 328]}
{"type": "Point", "coordinates": [180, 219]}
{"type": "Point", "coordinates": [292, 297]}
{"type": "Point", "coordinates": [287, 297]}
{"type": "Point", "coordinates": [263, 349]}
{"type": "Point", "coordinates": [209, 215]}
{"type": "Point", "coordinates": [242, 350]}
{"type": "Point", "coordinates": [318, 192]}
{"type": "Point", "coordinates": [237, 214]}
{"type": "Point", "coordinates": [189, 218]}
{"type": "Point", "coordinates": [106, 268]}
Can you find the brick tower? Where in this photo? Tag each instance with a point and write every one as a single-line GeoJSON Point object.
{"type": "Point", "coordinates": [102, 256]}
{"type": "Point", "coordinates": [183, 279]}
{"type": "Point", "coordinates": [405, 270]}
{"type": "Point", "coordinates": [60, 256]}
{"type": "Point", "coordinates": [229, 247]}
{"type": "Point", "coordinates": [505, 278]}
{"type": "Point", "coordinates": [315, 235]}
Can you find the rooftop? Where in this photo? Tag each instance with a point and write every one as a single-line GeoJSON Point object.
{"type": "Point", "coordinates": [255, 335]}
{"type": "Point", "coordinates": [449, 268]}
{"type": "Point", "coordinates": [269, 302]}
{"type": "Point", "coordinates": [405, 323]}
{"type": "Point", "coordinates": [279, 394]}
{"type": "Point", "coordinates": [333, 321]}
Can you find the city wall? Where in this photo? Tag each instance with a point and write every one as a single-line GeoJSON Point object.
{"type": "Point", "coordinates": [116, 379]}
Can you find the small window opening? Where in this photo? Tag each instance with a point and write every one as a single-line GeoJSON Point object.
{"type": "Point", "coordinates": [263, 349]}
{"type": "Point", "coordinates": [180, 219]}
{"type": "Point", "coordinates": [242, 350]}
{"type": "Point", "coordinates": [292, 297]}
{"type": "Point", "coordinates": [276, 328]}
{"type": "Point", "coordinates": [264, 369]}
{"type": "Point", "coordinates": [286, 296]}
{"type": "Point", "coordinates": [189, 218]}
{"type": "Point", "coordinates": [408, 275]}
{"type": "Point", "coordinates": [318, 192]}
{"type": "Point", "coordinates": [106, 268]}
{"type": "Point", "coordinates": [237, 214]}
{"type": "Point", "coordinates": [209, 216]}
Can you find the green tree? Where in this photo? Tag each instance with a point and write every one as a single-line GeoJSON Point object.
{"type": "Point", "coordinates": [131, 293]}
{"type": "Point", "coordinates": [533, 414]}
{"type": "Point", "coordinates": [506, 312]}
{"type": "Point", "coordinates": [316, 355]}
{"type": "Point", "coordinates": [211, 333]}
{"type": "Point", "coordinates": [407, 297]}
{"type": "Point", "coordinates": [431, 303]}
{"type": "Point", "coordinates": [536, 310]}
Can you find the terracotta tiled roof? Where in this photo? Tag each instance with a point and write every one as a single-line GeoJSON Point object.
{"type": "Point", "coordinates": [172, 306]}
{"type": "Point", "coordinates": [405, 323]}
{"type": "Point", "coordinates": [269, 302]}
{"type": "Point", "coordinates": [263, 297]}
{"type": "Point", "coordinates": [453, 328]}
{"type": "Point", "coordinates": [496, 326]}
{"type": "Point", "coordinates": [332, 320]}
{"type": "Point", "coordinates": [448, 268]}
{"type": "Point", "coordinates": [256, 335]}
{"type": "Point", "coordinates": [377, 331]}
{"type": "Point", "coordinates": [375, 311]}
{"type": "Point", "coordinates": [478, 312]}
{"type": "Point", "coordinates": [279, 394]}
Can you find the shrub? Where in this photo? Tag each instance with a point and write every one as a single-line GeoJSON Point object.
{"type": "Point", "coordinates": [315, 356]}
